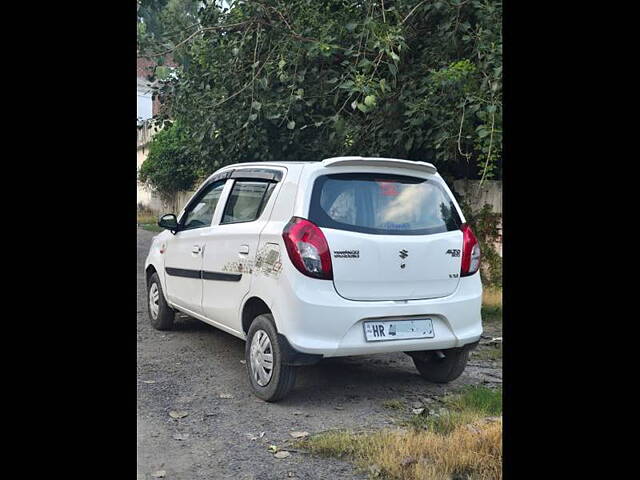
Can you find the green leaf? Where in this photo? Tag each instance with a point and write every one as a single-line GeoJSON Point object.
{"type": "Point", "coordinates": [416, 101]}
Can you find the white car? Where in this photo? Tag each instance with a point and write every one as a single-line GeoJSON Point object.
{"type": "Point", "coordinates": [307, 260]}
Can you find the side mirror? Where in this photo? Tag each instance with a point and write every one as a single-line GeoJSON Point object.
{"type": "Point", "coordinates": [168, 221]}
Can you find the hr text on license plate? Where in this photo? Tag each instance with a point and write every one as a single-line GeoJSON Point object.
{"type": "Point", "coordinates": [398, 330]}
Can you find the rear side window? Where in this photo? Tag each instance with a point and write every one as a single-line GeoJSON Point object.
{"type": "Point", "coordinates": [246, 201]}
{"type": "Point", "coordinates": [382, 204]}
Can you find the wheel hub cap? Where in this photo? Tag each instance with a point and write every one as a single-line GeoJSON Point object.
{"type": "Point", "coordinates": [154, 298]}
{"type": "Point", "coordinates": [261, 358]}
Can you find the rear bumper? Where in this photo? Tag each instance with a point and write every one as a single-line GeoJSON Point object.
{"type": "Point", "coordinates": [316, 320]}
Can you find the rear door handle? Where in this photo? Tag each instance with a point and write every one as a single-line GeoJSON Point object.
{"type": "Point", "coordinates": [244, 249]}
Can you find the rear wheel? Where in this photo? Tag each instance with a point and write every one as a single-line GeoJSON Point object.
{"type": "Point", "coordinates": [439, 369]}
{"type": "Point", "coordinates": [161, 315]}
{"type": "Point", "coordinates": [270, 379]}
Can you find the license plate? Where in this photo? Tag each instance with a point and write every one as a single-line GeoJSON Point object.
{"type": "Point", "coordinates": [398, 330]}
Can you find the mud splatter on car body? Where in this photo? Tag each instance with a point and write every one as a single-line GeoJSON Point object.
{"type": "Point", "coordinates": [267, 262]}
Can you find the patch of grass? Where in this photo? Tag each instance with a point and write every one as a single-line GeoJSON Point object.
{"type": "Point", "coordinates": [467, 406]}
{"type": "Point", "coordinates": [471, 451]}
{"type": "Point", "coordinates": [492, 297]}
{"type": "Point", "coordinates": [152, 227]}
{"type": "Point", "coordinates": [492, 304]}
{"type": "Point", "coordinates": [486, 401]}
{"type": "Point", "coordinates": [147, 218]}
{"type": "Point", "coordinates": [463, 439]}
{"type": "Point", "coordinates": [488, 353]}
{"type": "Point", "coordinates": [395, 404]}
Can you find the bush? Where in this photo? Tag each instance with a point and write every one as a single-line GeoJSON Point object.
{"type": "Point", "coordinates": [170, 166]}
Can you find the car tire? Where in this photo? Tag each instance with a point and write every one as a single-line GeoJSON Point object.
{"type": "Point", "coordinates": [441, 370]}
{"type": "Point", "coordinates": [274, 383]}
{"type": "Point", "coordinates": [160, 313]}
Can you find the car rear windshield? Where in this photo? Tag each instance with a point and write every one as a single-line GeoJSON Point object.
{"type": "Point", "coordinates": [382, 204]}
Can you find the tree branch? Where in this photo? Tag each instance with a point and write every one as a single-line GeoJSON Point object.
{"type": "Point", "coordinates": [411, 12]}
{"type": "Point", "coordinates": [493, 120]}
{"type": "Point", "coordinates": [182, 42]}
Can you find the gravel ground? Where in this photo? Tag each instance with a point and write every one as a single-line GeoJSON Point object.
{"type": "Point", "coordinates": [196, 368]}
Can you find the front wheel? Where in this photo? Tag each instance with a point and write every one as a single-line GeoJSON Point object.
{"type": "Point", "coordinates": [160, 314]}
{"type": "Point", "coordinates": [270, 378]}
{"type": "Point", "coordinates": [441, 369]}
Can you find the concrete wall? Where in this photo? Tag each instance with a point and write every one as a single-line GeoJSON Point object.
{"type": "Point", "coordinates": [477, 197]}
{"type": "Point", "coordinates": [179, 201]}
{"type": "Point", "coordinates": [490, 192]}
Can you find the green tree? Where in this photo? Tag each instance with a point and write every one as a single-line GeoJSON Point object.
{"type": "Point", "coordinates": [169, 167]}
{"type": "Point", "coordinates": [162, 23]}
{"type": "Point", "coordinates": [307, 79]}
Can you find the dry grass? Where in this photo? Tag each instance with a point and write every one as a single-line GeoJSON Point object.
{"type": "Point", "coordinates": [492, 304]}
{"type": "Point", "coordinates": [463, 441]}
{"type": "Point", "coordinates": [470, 451]}
{"type": "Point", "coordinates": [145, 218]}
{"type": "Point", "coordinates": [467, 406]}
{"type": "Point", "coordinates": [148, 220]}
{"type": "Point", "coordinates": [492, 297]}
{"type": "Point", "coordinates": [396, 404]}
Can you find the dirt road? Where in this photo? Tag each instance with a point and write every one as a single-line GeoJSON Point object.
{"type": "Point", "coordinates": [190, 368]}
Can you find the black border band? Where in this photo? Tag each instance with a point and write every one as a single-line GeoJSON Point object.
{"type": "Point", "coordinates": [225, 277]}
{"type": "Point", "coordinates": [183, 272]}
{"type": "Point", "coordinates": [186, 273]}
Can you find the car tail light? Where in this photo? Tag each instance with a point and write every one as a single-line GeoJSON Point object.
{"type": "Point", "coordinates": [470, 252]}
{"type": "Point", "coordinates": [308, 248]}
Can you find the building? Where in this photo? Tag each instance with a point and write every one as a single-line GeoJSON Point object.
{"type": "Point", "coordinates": [147, 107]}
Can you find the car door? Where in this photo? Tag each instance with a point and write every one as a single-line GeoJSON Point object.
{"type": "Point", "coordinates": [230, 249]}
{"type": "Point", "coordinates": [183, 254]}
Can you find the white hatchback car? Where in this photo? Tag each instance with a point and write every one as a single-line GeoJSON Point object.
{"type": "Point", "coordinates": [305, 260]}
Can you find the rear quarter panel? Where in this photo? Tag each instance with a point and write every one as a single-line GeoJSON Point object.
{"type": "Point", "coordinates": [267, 274]}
